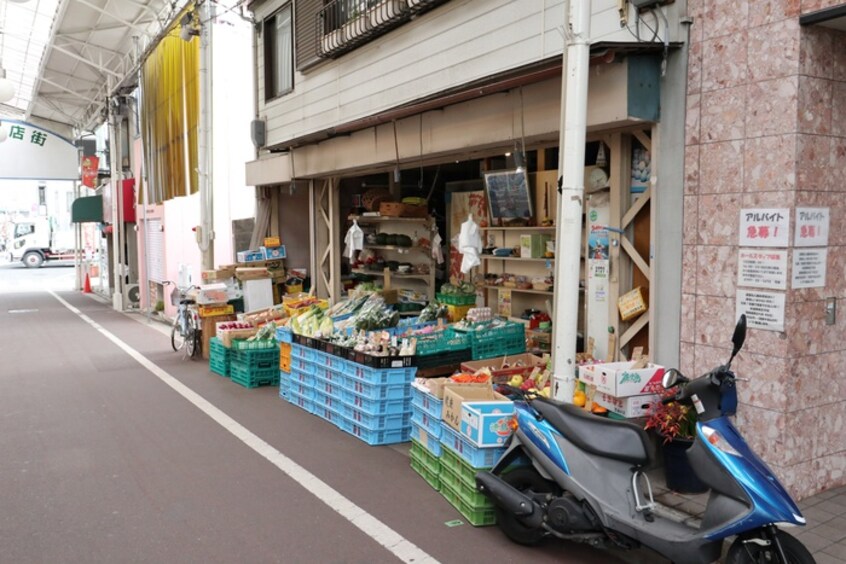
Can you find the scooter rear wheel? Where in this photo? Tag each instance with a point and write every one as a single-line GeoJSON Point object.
{"type": "Point", "coordinates": [750, 553]}
{"type": "Point", "coordinates": [528, 481]}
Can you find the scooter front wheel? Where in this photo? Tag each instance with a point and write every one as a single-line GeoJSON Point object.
{"type": "Point", "coordinates": [744, 552]}
{"type": "Point", "coordinates": [528, 481]}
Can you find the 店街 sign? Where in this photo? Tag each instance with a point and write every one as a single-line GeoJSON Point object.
{"type": "Point", "coordinates": [764, 310]}
{"type": "Point", "coordinates": [809, 266]}
{"type": "Point", "coordinates": [811, 227]}
{"type": "Point", "coordinates": [764, 227]}
{"type": "Point", "coordinates": [762, 268]}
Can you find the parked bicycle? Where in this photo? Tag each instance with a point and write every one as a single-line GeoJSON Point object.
{"type": "Point", "coordinates": [186, 332]}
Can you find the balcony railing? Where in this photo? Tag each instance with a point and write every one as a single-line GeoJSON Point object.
{"type": "Point", "coordinates": [343, 25]}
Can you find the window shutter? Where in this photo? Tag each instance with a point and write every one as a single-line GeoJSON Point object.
{"type": "Point", "coordinates": [305, 27]}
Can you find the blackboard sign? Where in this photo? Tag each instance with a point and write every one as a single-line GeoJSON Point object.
{"type": "Point", "coordinates": [508, 195]}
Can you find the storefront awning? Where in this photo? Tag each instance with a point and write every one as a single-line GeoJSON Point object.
{"type": "Point", "coordinates": [87, 209]}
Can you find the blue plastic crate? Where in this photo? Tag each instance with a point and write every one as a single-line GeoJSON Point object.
{"type": "Point", "coordinates": [426, 421]}
{"type": "Point", "coordinates": [302, 402]}
{"type": "Point", "coordinates": [427, 402]}
{"type": "Point", "coordinates": [380, 422]}
{"type": "Point", "coordinates": [372, 437]}
{"type": "Point", "coordinates": [375, 406]}
{"type": "Point", "coordinates": [301, 390]}
{"type": "Point", "coordinates": [328, 414]}
{"type": "Point", "coordinates": [297, 351]}
{"type": "Point", "coordinates": [284, 334]}
{"type": "Point", "coordinates": [302, 378]}
{"type": "Point", "coordinates": [477, 457]}
{"type": "Point", "coordinates": [335, 363]}
{"type": "Point", "coordinates": [284, 384]}
{"type": "Point", "coordinates": [311, 355]}
{"type": "Point", "coordinates": [334, 403]}
{"type": "Point", "coordinates": [328, 388]}
{"type": "Point", "coordinates": [379, 391]}
{"type": "Point", "coordinates": [432, 444]}
{"type": "Point", "coordinates": [380, 375]}
{"type": "Point", "coordinates": [330, 375]}
{"type": "Point", "coordinates": [302, 365]}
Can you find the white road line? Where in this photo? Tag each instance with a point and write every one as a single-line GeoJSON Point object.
{"type": "Point", "coordinates": [402, 548]}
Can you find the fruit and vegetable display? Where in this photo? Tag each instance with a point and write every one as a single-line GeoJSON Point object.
{"type": "Point", "coordinates": [463, 288]}
{"type": "Point", "coordinates": [312, 323]}
{"type": "Point", "coordinates": [433, 312]}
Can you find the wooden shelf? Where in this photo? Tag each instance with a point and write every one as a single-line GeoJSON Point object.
{"type": "Point", "coordinates": [394, 248]}
{"type": "Point", "coordinates": [518, 290]}
{"type": "Point", "coordinates": [529, 228]}
{"type": "Point", "coordinates": [494, 257]}
{"type": "Point", "coordinates": [380, 219]}
{"type": "Point", "coordinates": [379, 274]}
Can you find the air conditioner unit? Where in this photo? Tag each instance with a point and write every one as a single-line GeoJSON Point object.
{"type": "Point", "coordinates": [131, 295]}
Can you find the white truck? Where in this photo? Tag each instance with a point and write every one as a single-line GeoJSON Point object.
{"type": "Point", "coordinates": [36, 241]}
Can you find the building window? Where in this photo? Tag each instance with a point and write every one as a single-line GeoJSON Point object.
{"type": "Point", "coordinates": [278, 54]}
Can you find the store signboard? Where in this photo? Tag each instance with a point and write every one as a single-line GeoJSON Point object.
{"type": "Point", "coordinates": [597, 297]}
{"type": "Point", "coordinates": [762, 268]}
{"type": "Point", "coordinates": [764, 227]}
{"type": "Point", "coordinates": [764, 310]}
{"type": "Point", "coordinates": [811, 227]}
{"type": "Point", "coordinates": [809, 268]}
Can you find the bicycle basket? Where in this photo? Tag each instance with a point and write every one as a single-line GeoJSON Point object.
{"type": "Point", "coordinates": [175, 296]}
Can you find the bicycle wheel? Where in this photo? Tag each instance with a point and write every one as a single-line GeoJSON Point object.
{"type": "Point", "coordinates": [192, 337]}
{"type": "Point", "coordinates": [177, 339]}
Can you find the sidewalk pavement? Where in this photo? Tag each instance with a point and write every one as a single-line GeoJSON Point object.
{"type": "Point", "coordinates": [824, 535]}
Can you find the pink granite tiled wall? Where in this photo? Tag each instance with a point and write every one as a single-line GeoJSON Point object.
{"type": "Point", "coordinates": [766, 127]}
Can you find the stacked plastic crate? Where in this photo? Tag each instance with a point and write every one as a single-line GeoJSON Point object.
{"type": "Point", "coordinates": [218, 357]}
{"type": "Point", "coordinates": [301, 386]}
{"type": "Point", "coordinates": [254, 363]}
{"type": "Point", "coordinates": [425, 435]}
{"type": "Point", "coordinates": [375, 403]}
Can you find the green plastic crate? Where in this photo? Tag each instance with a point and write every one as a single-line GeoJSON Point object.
{"type": "Point", "coordinates": [457, 299]}
{"type": "Point", "coordinates": [218, 357]}
{"type": "Point", "coordinates": [442, 341]}
{"type": "Point", "coordinates": [506, 340]}
{"type": "Point", "coordinates": [467, 492]}
{"type": "Point", "coordinates": [250, 377]}
{"type": "Point", "coordinates": [476, 515]}
{"type": "Point", "coordinates": [243, 344]}
{"type": "Point", "coordinates": [257, 359]}
{"type": "Point", "coordinates": [422, 455]}
{"type": "Point", "coordinates": [459, 467]}
{"type": "Point", "coordinates": [431, 478]}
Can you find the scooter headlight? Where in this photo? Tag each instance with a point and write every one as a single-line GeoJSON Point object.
{"type": "Point", "coordinates": [716, 439]}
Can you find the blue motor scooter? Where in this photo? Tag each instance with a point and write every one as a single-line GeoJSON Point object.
{"type": "Point", "coordinates": [570, 474]}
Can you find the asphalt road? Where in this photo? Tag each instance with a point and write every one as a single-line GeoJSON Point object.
{"type": "Point", "coordinates": [102, 461]}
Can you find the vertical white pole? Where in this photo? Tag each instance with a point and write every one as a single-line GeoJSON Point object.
{"type": "Point", "coordinates": [205, 239]}
{"type": "Point", "coordinates": [571, 194]}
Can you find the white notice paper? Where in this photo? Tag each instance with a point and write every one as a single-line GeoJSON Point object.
{"type": "Point", "coordinates": [809, 266]}
{"type": "Point", "coordinates": [764, 310]}
{"type": "Point", "coordinates": [811, 227]}
{"type": "Point", "coordinates": [762, 268]}
{"type": "Point", "coordinates": [764, 227]}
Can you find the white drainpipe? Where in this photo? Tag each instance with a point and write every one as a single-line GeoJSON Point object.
{"type": "Point", "coordinates": [205, 232]}
{"type": "Point", "coordinates": [571, 164]}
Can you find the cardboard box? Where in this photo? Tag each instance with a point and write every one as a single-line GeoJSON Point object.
{"type": "Point", "coordinates": [274, 253]}
{"type": "Point", "coordinates": [437, 385]}
{"type": "Point", "coordinates": [522, 364]}
{"type": "Point", "coordinates": [229, 335]}
{"type": "Point", "coordinates": [251, 273]}
{"type": "Point", "coordinates": [629, 407]}
{"type": "Point", "coordinates": [212, 294]}
{"type": "Point", "coordinates": [209, 328]}
{"type": "Point", "coordinates": [632, 304]}
{"type": "Point", "coordinates": [620, 380]}
{"type": "Point", "coordinates": [485, 423]}
{"type": "Point", "coordinates": [456, 394]}
{"type": "Point", "coordinates": [215, 310]}
{"type": "Point", "coordinates": [251, 256]}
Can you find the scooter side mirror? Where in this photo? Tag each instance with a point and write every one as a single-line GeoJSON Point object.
{"type": "Point", "coordinates": [739, 335]}
{"type": "Point", "coordinates": [670, 379]}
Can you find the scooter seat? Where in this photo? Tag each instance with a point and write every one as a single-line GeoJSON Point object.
{"type": "Point", "coordinates": [618, 440]}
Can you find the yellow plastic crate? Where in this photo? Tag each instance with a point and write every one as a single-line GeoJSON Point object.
{"type": "Point", "coordinates": [212, 311]}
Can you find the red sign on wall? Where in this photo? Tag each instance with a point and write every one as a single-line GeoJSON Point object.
{"type": "Point", "coordinates": [90, 166]}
